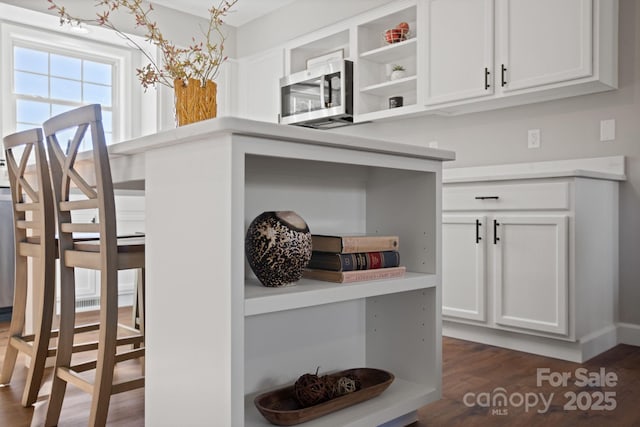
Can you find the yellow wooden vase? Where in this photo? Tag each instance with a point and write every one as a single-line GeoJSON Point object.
{"type": "Point", "coordinates": [195, 102]}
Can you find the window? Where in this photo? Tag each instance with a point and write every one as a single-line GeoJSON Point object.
{"type": "Point", "coordinates": [47, 83]}
{"type": "Point", "coordinates": [47, 69]}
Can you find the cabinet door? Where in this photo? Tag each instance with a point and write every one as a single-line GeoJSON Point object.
{"type": "Point", "coordinates": [531, 272]}
{"type": "Point", "coordinates": [463, 267]}
{"type": "Point", "coordinates": [459, 49]}
{"type": "Point", "coordinates": [543, 42]}
{"type": "Point", "coordinates": [259, 85]}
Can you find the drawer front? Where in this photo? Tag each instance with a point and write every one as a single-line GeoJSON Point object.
{"type": "Point", "coordinates": [530, 196]}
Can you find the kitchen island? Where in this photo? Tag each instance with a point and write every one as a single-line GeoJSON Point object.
{"type": "Point", "coordinates": [215, 337]}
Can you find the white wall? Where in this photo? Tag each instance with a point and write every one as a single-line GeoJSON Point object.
{"type": "Point", "coordinates": [172, 23]}
{"type": "Point", "coordinates": [569, 127]}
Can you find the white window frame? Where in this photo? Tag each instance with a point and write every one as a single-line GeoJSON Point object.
{"type": "Point", "coordinates": [135, 112]}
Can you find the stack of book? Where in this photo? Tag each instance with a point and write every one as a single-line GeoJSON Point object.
{"type": "Point", "coordinates": [354, 258]}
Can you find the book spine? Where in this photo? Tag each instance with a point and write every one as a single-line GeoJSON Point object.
{"type": "Point", "coordinates": [357, 261]}
{"type": "Point", "coordinates": [379, 273]}
{"type": "Point", "coordinates": [369, 260]}
{"type": "Point", "coordinates": [369, 244]}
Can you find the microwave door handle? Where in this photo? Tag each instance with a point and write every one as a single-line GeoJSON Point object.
{"type": "Point", "coordinates": [323, 104]}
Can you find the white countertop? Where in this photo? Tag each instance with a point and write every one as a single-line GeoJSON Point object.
{"type": "Point", "coordinates": [237, 126]}
{"type": "Point", "coordinates": [610, 168]}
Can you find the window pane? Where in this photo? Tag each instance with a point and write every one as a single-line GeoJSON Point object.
{"type": "Point", "coordinates": [65, 66]}
{"type": "Point", "coordinates": [95, 94]}
{"type": "Point", "coordinates": [57, 108]}
{"type": "Point", "coordinates": [32, 111]}
{"type": "Point", "coordinates": [107, 125]}
{"type": "Point", "coordinates": [31, 84]}
{"type": "Point", "coordinates": [68, 90]}
{"type": "Point", "coordinates": [96, 72]}
{"type": "Point", "coordinates": [30, 60]}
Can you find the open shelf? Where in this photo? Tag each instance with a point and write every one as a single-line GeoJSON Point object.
{"type": "Point", "coordinates": [392, 87]}
{"type": "Point", "coordinates": [307, 293]}
{"type": "Point", "coordinates": [392, 52]}
{"type": "Point", "coordinates": [399, 399]}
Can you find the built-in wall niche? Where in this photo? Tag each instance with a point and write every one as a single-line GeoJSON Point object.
{"type": "Point", "coordinates": [317, 48]}
{"type": "Point", "coordinates": [377, 54]}
{"type": "Point", "coordinates": [371, 35]}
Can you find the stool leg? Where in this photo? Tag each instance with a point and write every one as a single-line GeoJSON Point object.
{"type": "Point", "coordinates": [141, 300]}
{"type": "Point", "coordinates": [17, 319]}
{"type": "Point", "coordinates": [44, 294]}
{"type": "Point", "coordinates": [106, 347]}
{"type": "Point", "coordinates": [65, 344]}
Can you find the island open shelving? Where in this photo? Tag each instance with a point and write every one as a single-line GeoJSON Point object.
{"type": "Point", "coordinates": [239, 339]}
{"type": "Point", "coordinates": [386, 324]}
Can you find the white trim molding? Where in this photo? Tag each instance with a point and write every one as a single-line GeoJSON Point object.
{"type": "Point", "coordinates": [629, 333]}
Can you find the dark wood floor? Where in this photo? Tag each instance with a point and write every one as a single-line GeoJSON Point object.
{"type": "Point", "coordinates": [477, 368]}
{"type": "Point", "coordinates": [467, 368]}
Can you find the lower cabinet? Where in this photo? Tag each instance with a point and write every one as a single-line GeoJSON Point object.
{"type": "Point", "coordinates": [530, 258]}
{"type": "Point", "coordinates": [463, 267]}
{"type": "Point", "coordinates": [526, 264]}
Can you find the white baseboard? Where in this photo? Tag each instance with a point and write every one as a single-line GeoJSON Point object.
{"type": "Point", "coordinates": [629, 333]}
{"type": "Point", "coordinates": [599, 342]}
{"type": "Point", "coordinates": [579, 352]}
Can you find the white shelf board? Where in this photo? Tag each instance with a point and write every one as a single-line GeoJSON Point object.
{"type": "Point", "coordinates": [389, 112]}
{"type": "Point", "coordinates": [401, 398]}
{"type": "Point", "coordinates": [392, 87]}
{"type": "Point", "coordinates": [391, 52]}
{"type": "Point", "coordinates": [306, 293]}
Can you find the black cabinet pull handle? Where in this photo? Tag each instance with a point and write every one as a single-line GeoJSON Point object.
{"type": "Point", "coordinates": [486, 78]}
{"type": "Point", "coordinates": [478, 224]}
{"type": "Point", "coordinates": [496, 224]}
{"type": "Point", "coordinates": [487, 197]}
{"type": "Point", "coordinates": [504, 80]}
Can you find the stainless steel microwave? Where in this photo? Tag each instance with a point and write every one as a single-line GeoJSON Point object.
{"type": "Point", "coordinates": [320, 97]}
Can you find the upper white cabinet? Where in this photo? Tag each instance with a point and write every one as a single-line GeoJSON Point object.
{"type": "Point", "coordinates": [258, 79]}
{"type": "Point", "coordinates": [543, 42]}
{"type": "Point", "coordinates": [489, 54]}
{"type": "Point", "coordinates": [458, 49]}
{"type": "Point", "coordinates": [459, 56]}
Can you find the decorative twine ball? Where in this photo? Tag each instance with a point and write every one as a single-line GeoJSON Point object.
{"type": "Point", "coordinates": [278, 247]}
{"type": "Point", "coordinates": [344, 385]}
{"type": "Point", "coordinates": [310, 390]}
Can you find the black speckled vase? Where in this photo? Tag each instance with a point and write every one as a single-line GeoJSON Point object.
{"type": "Point", "coordinates": [278, 247]}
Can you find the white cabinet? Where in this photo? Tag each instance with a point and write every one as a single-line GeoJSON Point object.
{"type": "Point", "coordinates": [459, 50]}
{"type": "Point", "coordinates": [530, 263]}
{"type": "Point", "coordinates": [501, 53]}
{"type": "Point", "coordinates": [471, 55]}
{"type": "Point", "coordinates": [463, 267]}
{"type": "Point", "coordinates": [252, 338]}
{"type": "Point", "coordinates": [526, 267]}
{"type": "Point", "coordinates": [258, 79]}
{"type": "Point", "coordinates": [543, 42]}
{"type": "Point", "coordinates": [530, 266]}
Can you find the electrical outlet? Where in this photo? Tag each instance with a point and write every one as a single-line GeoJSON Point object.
{"type": "Point", "coordinates": [607, 130]}
{"type": "Point", "coordinates": [533, 138]}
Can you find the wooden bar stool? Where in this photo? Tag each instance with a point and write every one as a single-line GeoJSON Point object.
{"type": "Point", "coordinates": [34, 227]}
{"type": "Point", "coordinates": [90, 175]}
